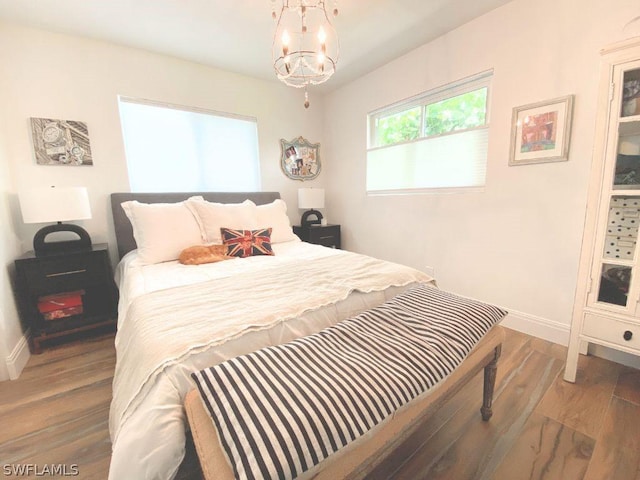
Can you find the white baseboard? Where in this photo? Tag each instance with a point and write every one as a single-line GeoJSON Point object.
{"type": "Point", "coordinates": [18, 358]}
{"type": "Point", "coordinates": [546, 329]}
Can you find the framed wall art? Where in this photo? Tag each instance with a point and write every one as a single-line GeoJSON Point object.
{"type": "Point", "coordinates": [61, 142]}
{"type": "Point", "coordinates": [540, 132]}
{"type": "Point", "coordinates": [300, 159]}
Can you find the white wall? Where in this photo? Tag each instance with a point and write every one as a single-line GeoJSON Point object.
{"type": "Point", "coordinates": [517, 244]}
{"type": "Point", "coordinates": [10, 330]}
{"type": "Point", "coordinates": [57, 76]}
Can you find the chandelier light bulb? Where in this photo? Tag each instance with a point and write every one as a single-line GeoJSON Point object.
{"type": "Point", "coordinates": [322, 35]}
{"type": "Point", "coordinates": [285, 45]}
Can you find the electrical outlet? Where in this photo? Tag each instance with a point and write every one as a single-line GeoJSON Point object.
{"type": "Point", "coordinates": [430, 271]}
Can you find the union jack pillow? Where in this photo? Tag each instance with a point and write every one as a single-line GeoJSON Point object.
{"type": "Point", "coordinates": [246, 243]}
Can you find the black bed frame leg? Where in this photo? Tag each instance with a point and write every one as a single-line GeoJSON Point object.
{"type": "Point", "coordinates": [489, 384]}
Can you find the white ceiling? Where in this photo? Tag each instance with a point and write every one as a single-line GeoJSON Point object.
{"type": "Point", "coordinates": [236, 35]}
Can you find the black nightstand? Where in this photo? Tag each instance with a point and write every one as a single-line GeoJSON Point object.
{"type": "Point", "coordinates": [80, 283]}
{"type": "Point", "coordinates": [327, 235]}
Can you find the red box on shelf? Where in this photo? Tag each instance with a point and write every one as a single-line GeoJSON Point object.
{"type": "Point", "coordinates": [62, 313]}
{"type": "Point", "coordinates": [61, 305]}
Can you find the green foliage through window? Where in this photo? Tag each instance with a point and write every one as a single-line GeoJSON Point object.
{"type": "Point", "coordinates": [454, 114]}
{"type": "Point", "coordinates": [457, 113]}
{"type": "Point", "coordinates": [400, 127]}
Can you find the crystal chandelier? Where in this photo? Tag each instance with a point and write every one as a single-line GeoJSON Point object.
{"type": "Point", "coordinates": [305, 45]}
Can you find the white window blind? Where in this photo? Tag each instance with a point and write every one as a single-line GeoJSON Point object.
{"type": "Point", "coordinates": [448, 161]}
{"type": "Point", "coordinates": [436, 140]}
{"type": "Point", "coordinates": [178, 149]}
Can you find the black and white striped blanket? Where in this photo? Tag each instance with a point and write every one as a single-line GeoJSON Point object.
{"type": "Point", "coordinates": [281, 410]}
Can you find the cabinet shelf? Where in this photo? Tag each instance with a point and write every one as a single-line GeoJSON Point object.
{"type": "Point", "coordinates": [623, 190]}
{"type": "Point", "coordinates": [617, 261]}
{"type": "Point", "coordinates": [629, 126]}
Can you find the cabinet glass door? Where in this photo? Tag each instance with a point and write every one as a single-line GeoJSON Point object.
{"type": "Point", "coordinates": [627, 169]}
{"type": "Point", "coordinates": [622, 227]}
{"type": "Point", "coordinates": [619, 249]}
{"type": "Point", "coordinates": [616, 271]}
{"type": "Point", "coordinates": [615, 281]}
{"type": "Point", "coordinates": [631, 93]}
{"type": "Point", "coordinates": [627, 163]}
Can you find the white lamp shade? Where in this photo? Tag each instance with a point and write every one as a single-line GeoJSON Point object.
{"type": "Point", "coordinates": [54, 204]}
{"type": "Point", "coordinates": [311, 198]}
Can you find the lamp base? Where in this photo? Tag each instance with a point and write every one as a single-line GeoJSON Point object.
{"type": "Point", "coordinates": [305, 221]}
{"type": "Point", "coordinates": [42, 248]}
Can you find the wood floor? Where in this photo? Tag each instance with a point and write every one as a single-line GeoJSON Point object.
{"type": "Point", "coordinates": [542, 427]}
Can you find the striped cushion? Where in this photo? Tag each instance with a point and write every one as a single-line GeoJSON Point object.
{"type": "Point", "coordinates": [281, 410]}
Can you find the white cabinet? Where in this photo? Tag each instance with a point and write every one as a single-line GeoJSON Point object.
{"type": "Point", "coordinates": [607, 304]}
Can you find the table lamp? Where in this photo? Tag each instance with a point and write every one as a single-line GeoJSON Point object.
{"type": "Point", "coordinates": [311, 198]}
{"type": "Point", "coordinates": [56, 204]}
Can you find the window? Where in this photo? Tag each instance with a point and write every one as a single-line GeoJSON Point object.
{"type": "Point", "coordinates": [177, 149]}
{"type": "Point", "coordinates": [437, 140]}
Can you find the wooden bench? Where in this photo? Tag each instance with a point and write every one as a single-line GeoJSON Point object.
{"type": "Point", "coordinates": [358, 458]}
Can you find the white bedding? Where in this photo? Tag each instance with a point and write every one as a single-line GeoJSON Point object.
{"type": "Point", "coordinates": [147, 421]}
{"type": "Point", "coordinates": [134, 279]}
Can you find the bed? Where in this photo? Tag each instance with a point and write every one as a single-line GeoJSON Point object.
{"type": "Point", "coordinates": [175, 319]}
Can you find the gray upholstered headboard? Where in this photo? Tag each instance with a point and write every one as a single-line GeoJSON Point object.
{"type": "Point", "coordinates": [124, 231]}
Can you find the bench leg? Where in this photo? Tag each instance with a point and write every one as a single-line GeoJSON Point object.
{"type": "Point", "coordinates": [489, 385]}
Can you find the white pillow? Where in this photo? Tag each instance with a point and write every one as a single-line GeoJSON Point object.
{"type": "Point", "coordinates": [162, 230]}
{"type": "Point", "coordinates": [214, 216]}
{"type": "Point", "coordinates": [274, 215]}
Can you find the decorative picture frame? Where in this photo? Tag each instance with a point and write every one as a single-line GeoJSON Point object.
{"type": "Point", "coordinates": [300, 159]}
{"type": "Point", "coordinates": [60, 142]}
{"type": "Point", "coordinates": [540, 132]}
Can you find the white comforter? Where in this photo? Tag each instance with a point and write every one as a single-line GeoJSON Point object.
{"type": "Point", "coordinates": [176, 319]}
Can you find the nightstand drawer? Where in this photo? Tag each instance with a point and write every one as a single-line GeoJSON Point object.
{"type": "Point", "coordinates": [327, 236]}
{"type": "Point", "coordinates": [73, 272]}
{"type": "Point", "coordinates": [611, 330]}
